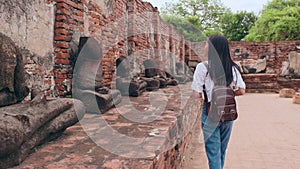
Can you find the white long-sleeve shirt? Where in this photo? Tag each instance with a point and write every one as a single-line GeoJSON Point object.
{"type": "Point", "coordinates": [201, 78]}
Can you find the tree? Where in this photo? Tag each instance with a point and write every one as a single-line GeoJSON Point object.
{"type": "Point", "coordinates": [279, 21]}
{"type": "Point", "coordinates": [203, 14]}
{"type": "Point", "coordinates": [235, 26]}
{"type": "Point", "coordinates": [210, 32]}
{"type": "Point", "coordinates": [184, 27]}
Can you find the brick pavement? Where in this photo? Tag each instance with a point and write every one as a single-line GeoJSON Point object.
{"type": "Point", "coordinates": [266, 136]}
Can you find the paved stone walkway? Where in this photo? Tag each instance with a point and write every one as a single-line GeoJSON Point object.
{"type": "Point", "coordinates": [266, 136]}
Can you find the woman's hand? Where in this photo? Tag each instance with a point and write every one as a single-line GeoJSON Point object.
{"type": "Point", "coordinates": [239, 92]}
{"type": "Point", "coordinates": [198, 96]}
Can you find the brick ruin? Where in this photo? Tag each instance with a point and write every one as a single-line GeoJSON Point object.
{"type": "Point", "coordinates": [124, 27]}
{"type": "Point", "coordinates": [276, 55]}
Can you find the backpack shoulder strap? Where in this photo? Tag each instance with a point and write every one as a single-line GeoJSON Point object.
{"type": "Point", "coordinates": [204, 92]}
{"type": "Point", "coordinates": [236, 75]}
{"type": "Point", "coordinates": [206, 65]}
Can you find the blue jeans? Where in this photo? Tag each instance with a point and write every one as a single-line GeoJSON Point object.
{"type": "Point", "coordinates": [216, 138]}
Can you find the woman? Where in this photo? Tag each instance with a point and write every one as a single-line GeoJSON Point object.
{"type": "Point", "coordinates": [218, 70]}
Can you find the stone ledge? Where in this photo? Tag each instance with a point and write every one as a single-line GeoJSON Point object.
{"type": "Point", "coordinates": [268, 83]}
{"type": "Point", "coordinates": [260, 77]}
{"type": "Point", "coordinates": [161, 141]}
{"type": "Point", "coordinates": [289, 83]}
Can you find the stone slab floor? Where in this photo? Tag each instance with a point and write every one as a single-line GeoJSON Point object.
{"type": "Point", "coordinates": [265, 136]}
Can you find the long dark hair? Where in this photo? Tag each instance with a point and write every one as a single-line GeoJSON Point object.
{"type": "Point", "coordinates": [219, 60]}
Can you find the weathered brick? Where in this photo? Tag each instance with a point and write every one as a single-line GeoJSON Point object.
{"type": "Point", "coordinates": [79, 13]}
{"type": "Point", "coordinates": [61, 76]}
{"type": "Point", "coordinates": [80, 7]}
{"type": "Point", "coordinates": [61, 93]}
{"type": "Point", "coordinates": [37, 66]}
{"type": "Point", "coordinates": [63, 45]}
{"type": "Point", "coordinates": [72, 28]}
{"type": "Point", "coordinates": [62, 38]}
{"type": "Point", "coordinates": [31, 71]}
{"type": "Point", "coordinates": [64, 71]}
{"type": "Point", "coordinates": [61, 18]}
{"type": "Point", "coordinates": [83, 1]}
{"type": "Point", "coordinates": [61, 31]}
{"type": "Point", "coordinates": [61, 25]}
{"type": "Point", "coordinates": [94, 15]}
{"type": "Point", "coordinates": [81, 30]}
{"type": "Point", "coordinates": [61, 5]}
{"type": "Point", "coordinates": [69, 2]}
{"type": "Point", "coordinates": [62, 61]}
{"type": "Point", "coordinates": [58, 49]}
{"type": "Point", "coordinates": [72, 21]}
{"type": "Point", "coordinates": [59, 88]}
{"type": "Point", "coordinates": [47, 81]}
{"type": "Point", "coordinates": [63, 11]}
{"type": "Point", "coordinates": [62, 55]}
{"type": "Point", "coordinates": [78, 18]}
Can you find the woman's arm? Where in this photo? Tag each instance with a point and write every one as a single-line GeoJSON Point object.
{"type": "Point", "coordinates": [240, 87]}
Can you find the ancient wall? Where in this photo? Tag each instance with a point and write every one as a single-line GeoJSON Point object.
{"type": "Point", "coordinates": [30, 25]}
{"type": "Point", "coordinates": [51, 29]}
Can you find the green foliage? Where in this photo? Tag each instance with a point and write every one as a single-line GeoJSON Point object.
{"type": "Point", "coordinates": [184, 27]}
{"type": "Point", "coordinates": [279, 21]}
{"type": "Point", "coordinates": [212, 32]}
{"type": "Point", "coordinates": [204, 14]}
{"type": "Point", "coordinates": [236, 26]}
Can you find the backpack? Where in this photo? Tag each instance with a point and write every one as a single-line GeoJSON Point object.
{"type": "Point", "coordinates": [223, 105]}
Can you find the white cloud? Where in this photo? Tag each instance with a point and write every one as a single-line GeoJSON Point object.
{"type": "Point", "coordinates": [251, 6]}
{"type": "Point", "coordinates": [235, 5]}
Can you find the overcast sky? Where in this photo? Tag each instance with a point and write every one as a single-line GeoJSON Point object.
{"type": "Point", "coordinates": [235, 5]}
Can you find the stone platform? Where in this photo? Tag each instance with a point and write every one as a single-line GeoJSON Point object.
{"type": "Point", "coordinates": [146, 132]}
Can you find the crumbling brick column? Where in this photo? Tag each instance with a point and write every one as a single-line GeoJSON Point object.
{"type": "Point", "coordinates": [69, 16]}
